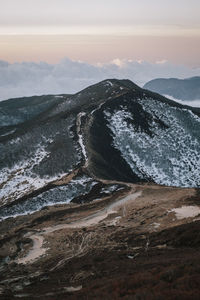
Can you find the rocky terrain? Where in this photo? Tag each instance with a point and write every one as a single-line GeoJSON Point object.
{"type": "Point", "coordinates": [139, 243]}
{"type": "Point", "coordinates": [99, 196]}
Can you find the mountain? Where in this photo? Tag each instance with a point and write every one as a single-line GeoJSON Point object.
{"type": "Point", "coordinates": [113, 130]}
{"type": "Point", "coordinates": [99, 196]}
{"type": "Point", "coordinates": [183, 89]}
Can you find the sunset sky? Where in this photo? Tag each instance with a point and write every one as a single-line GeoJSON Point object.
{"type": "Point", "coordinates": [100, 31]}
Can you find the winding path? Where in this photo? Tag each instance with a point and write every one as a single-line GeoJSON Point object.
{"type": "Point", "coordinates": [38, 238]}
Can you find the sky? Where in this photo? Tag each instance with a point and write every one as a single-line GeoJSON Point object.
{"type": "Point", "coordinates": [99, 31]}
{"type": "Point", "coordinates": [62, 46]}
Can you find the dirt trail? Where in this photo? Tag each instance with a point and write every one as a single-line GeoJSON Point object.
{"type": "Point", "coordinates": [67, 178]}
{"type": "Point", "coordinates": [36, 251]}
{"type": "Point", "coordinates": [91, 220]}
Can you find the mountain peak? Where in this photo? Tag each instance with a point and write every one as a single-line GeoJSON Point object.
{"type": "Point", "coordinates": [114, 129]}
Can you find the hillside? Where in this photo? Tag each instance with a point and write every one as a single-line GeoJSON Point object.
{"type": "Point", "coordinates": [183, 89]}
{"type": "Point", "coordinates": [99, 196]}
{"type": "Point", "coordinates": [115, 129]}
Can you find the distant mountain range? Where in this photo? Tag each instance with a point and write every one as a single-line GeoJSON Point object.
{"type": "Point", "coordinates": [112, 130]}
{"type": "Point", "coordinates": [182, 89]}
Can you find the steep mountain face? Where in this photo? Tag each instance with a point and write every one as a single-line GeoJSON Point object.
{"type": "Point", "coordinates": [183, 89]}
{"type": "Point", "coordinates": [148, 140]}
{"type": "Point", "coordinates": [112, 130]}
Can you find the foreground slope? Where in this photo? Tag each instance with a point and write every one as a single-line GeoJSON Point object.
{"type": "Point", "coordinates": [139, 243]}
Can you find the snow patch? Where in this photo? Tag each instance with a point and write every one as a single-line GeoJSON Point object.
{"type": "Point", "coordinates": [8, 133]}
{"type": "Point", "coordinates": [156, 225]}
{"type": "Point", "coordinates": [80, 136]}
{"type": "Point", "coordinates": [19, 180]}
{"type": "Point", "coordinates": [58, 195]}
{"type": "Point", "coordinates": [110, 83]}
{"type": "Point", "coordinates": [186, 212]}
{"type": "Point", "coordinates": [59, 96]}
{"type": "Point", "coordinates": [171, 155]}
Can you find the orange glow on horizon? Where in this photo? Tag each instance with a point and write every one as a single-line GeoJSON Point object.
{"type": "Point", "coordinates": [93, 49]}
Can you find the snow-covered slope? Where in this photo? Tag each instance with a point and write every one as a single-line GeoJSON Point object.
{"type": "Point", "coordinates": [169, 153]}
{"type": "Point", "coordinates": [114, 129]}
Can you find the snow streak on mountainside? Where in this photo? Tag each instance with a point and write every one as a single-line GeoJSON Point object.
{"type": "Point", "coordinates": [39, 154]}
{"type": "Point", "coordinates": [153, 137]}
{"type": "Point", "coordinates": [168, 154]}
{"type": "Point", "coordinates": [56, 195]}
{"type": "Point", "coordinates": [18, 179]}
{"type": "Point", "coordinates": [40, 145]}
{"type": "Point", "coordinates": [112, 130]}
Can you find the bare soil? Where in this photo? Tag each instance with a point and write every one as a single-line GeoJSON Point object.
{"type": "Point", "coordinates": [129, 245]}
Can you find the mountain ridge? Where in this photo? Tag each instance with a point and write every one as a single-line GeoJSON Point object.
{"type": "Point", "coordinates": [114, 130]}
{"type": "Point", "coordinates": [182, 89]}
{"type": "Point", "coordinates": [89, 200]}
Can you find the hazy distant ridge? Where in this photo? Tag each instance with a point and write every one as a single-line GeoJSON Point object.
{"type": "Point", "coordinates": [183, 89]}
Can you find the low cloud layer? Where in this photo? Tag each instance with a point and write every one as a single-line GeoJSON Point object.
{"type": "Point", "coordinates": [29, 78]}
{"type": "Point", "coordinates": [194, 103]}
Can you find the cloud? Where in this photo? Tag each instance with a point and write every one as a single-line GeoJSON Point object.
{"type": "Point", "coordinates": [30, 78]}
{"type": "Point", "coordinates": [193, 103]}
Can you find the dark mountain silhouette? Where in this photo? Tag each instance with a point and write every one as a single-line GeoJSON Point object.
{"type": "Point", "coordinates": [183, 89]}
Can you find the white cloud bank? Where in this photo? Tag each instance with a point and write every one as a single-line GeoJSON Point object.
{"type": "Point", "coordinates": [194, 103]}
{"type": "Point", "coordinates": [30, 78]}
